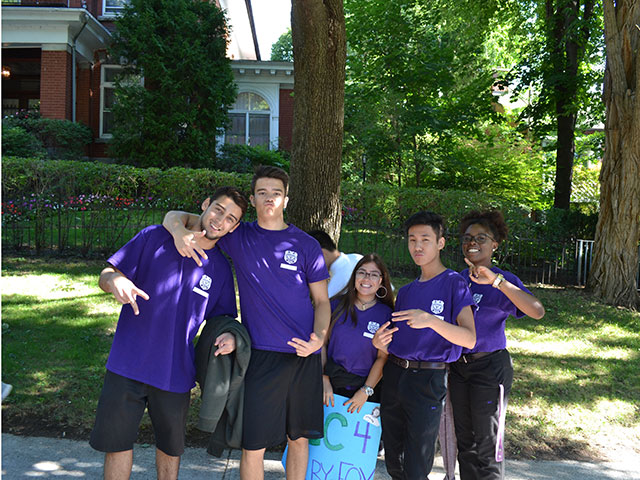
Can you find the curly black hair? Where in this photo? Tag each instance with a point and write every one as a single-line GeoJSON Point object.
{"type": "Point", "coordinates": [490, 219]}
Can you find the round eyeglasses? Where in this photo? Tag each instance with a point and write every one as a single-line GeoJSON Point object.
{"type": "Point", "coordinates": [372, 275]}
{"type": "Point", "coordinates": [480, 239]}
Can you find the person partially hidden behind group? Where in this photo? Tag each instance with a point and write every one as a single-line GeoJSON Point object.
{"type": "Point", "coordinates": [340, 265]}
{"type": "Point", "coordinates": [353, 366]}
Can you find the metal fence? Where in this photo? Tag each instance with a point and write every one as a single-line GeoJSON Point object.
{"type": "Point", "coordinates": [584, 254]}
{"type": "Point", "coordinates": [102, 231]}
{"type": "Point", "coordinates": [533, 260]}
{"type": "Point", "coordinates": [85, 232]}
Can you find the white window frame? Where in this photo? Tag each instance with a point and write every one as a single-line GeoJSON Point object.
{"type": "Point", "coordinates": [104, 84]}
{"type": "Point", "coordinates": [246, 113]}
{"type": "Point", "coordinates": [110, 11]}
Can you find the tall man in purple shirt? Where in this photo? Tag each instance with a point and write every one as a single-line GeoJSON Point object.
{"type": "Point", "coordinates": [285, 306]}
{"type": "Point", "coordinates": [151, 363]}
{"type": "Point", "coordinates": [433, 321]}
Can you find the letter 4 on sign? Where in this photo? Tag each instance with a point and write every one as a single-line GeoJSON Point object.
{"type": "Point", "coordinates": [349, 449]}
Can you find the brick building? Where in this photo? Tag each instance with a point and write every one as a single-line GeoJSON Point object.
{"type": "Point", "coordinates": [54, 58]}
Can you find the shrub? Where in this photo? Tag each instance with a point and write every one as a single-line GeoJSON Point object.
{"type": "Point", "coordinates": [60, 139]}
{"type": "Point", "coordinates": [63, 139]}
{"type": "Point", "coordinates": [389, 206]}
{"type": "Point", "coordinates": [243, 158]}
{"type": "Point", "coordinates": [18, 142]}
{"type": "Point", "coordinates": [59, 180]}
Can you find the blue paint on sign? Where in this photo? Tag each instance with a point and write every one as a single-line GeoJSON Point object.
{"type": "Point", "coordinates": [349, 449]}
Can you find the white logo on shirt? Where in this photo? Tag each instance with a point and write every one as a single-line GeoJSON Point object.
{"type": "Point", "coordinates": [437, 306]}
{"type": "Point", "coordinates": [373, 327]}
{"type": "Point", "coordinates": [477, 297]}
{"type": "Point", "coordinates": [205, 282]}
{"type": "Point", "coordinates": [290, 257]}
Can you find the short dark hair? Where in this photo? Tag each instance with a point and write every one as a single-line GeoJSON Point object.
{"type": "Point", "coordinates": [492, 220]}
{"type": "Point", "coordinates": [268, 171]}
{"type": "Point", "coordinates": [424, 217]}
{"type": "Point", "coordinates": [234, 194]}
{"type": "Point", "coordinates": [324, 240]}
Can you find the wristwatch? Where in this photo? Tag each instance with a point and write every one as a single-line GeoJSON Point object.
{"type": "Point", "coordinates": [499, 279]}
{"type": "Point", "coordinates": [367, 389]}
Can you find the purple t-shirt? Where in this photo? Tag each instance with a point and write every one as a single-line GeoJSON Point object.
{"type": "Point", "coordinates": [444, 296]}
{"type": "Point", "coordinates": [274, 269]}
{"type": "Point", "coordinates": [156, 346]}
{"type": "Point", "coordinates": [493, 309]}
{"type": "Point", "coordinates": [350, 345]}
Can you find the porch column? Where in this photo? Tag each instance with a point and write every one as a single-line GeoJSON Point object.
{"type": "Point", "coordinates": [55, 84]}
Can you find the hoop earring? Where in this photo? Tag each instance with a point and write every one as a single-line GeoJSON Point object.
{"type": "Point", "coordinates": [384, 294]}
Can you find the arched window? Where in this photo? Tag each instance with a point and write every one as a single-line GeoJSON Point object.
{"type": "Point", "coordinates": [249, 121]}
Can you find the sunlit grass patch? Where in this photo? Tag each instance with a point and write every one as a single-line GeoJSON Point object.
{"type": "Point", "coordinates": [577, 378]}
{"type": "Point", "coordinates": [47, 286]}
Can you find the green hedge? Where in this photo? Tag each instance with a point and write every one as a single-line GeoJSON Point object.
{"type": "Point", "coordinates": [17, 141]}
{"type": "Point", "coordinates": [59, 179]}
{"type": "Point", "coordinates": [390, 205]}
{"type": "Point", "coordinates": [381, 206]}
{"type": "Point", "coordinates": [55, 138]}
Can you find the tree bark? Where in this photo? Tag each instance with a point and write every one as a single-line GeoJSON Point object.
{"type": "Point", "coordinates": [565, 152]}
{"type": "Point", "coordinates": [319, 56]}
{"type": "Point", "coordinates": [615, 261]}
{"type": "Point", "coordinates": [562, 19]}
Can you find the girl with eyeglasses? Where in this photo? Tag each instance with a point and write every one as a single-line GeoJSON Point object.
{"type": "Point", "coordinates": [480, 381]}
{"type": "Point", "coordinates": [353, 365]}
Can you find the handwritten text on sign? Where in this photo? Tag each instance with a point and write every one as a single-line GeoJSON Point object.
{"type": "Point", "coordinates": [349, 449]}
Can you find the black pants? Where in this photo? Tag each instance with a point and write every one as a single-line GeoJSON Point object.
{"type": "Point", "coordinates": [411, 405]}
{"type": "Point", "coordinates": [475, 389]}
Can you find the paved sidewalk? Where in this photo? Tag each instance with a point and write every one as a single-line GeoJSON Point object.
{"type": "Point", "coordinates": [36, 457]}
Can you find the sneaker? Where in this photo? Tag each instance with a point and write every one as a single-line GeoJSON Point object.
{"type": "Point", "coordinates": [6, 390]}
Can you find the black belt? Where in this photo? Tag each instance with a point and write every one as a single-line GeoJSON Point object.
{"type": "Point", "coordinates": [472, 357]}
{"type": "Point", "coordinates": [401, 362]}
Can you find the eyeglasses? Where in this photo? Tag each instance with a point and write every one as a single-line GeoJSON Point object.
{"type": "Point", "coordinates": [480, 239]}
{"type": "Point", "coordinates": [372, 275]}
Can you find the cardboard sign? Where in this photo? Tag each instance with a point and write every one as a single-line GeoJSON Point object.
{"type": "Point", "coordinates": [349, 449]}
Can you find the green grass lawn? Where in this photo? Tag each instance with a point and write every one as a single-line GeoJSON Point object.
{"type": "Point", "coordinates": [575, 394]}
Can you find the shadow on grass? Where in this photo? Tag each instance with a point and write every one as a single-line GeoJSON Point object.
{"type": "Point", "coordinates": [53, 353]}
{"type": "Point", "coordinates": [551, 394]}
{"type": "Point", "coordinates": [535, 440]}
{"type": "Point", "coordinates": [575, 308]}
{"type": "Point", "coordinates": [572, 380]}
{"type": "Point", "coordinates": [73, 266]}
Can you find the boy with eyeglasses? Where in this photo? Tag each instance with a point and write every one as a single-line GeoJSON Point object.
{"type": "Point", "coordinates": [432, 322]}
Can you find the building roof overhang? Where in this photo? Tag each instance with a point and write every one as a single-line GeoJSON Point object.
{"type": "Point", "coordinates": [268, 71]}
{"type": "Point", "coordinates": [53, 28]}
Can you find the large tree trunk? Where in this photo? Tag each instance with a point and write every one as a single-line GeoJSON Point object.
{"type": "Point", "coordinates": [615, 261]}
{"type": "Point", "coordinates": [319, 55]}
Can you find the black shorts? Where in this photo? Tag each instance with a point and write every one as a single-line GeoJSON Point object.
{"type": "Point", "coordinates": [120, 409]}
{"type": "Point", "coordinates": [282, 398]}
